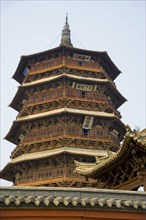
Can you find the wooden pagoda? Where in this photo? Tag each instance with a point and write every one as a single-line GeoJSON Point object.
{"type": "Point", "coordinates": [67, 105]}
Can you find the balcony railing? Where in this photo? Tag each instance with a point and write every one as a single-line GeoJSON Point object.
{"type": "Point", "coordinates": [46, 65]}
{"type": "Point", "coordinates": [54, 95]}
{"type": "Point", "coordinates": [54, 132]}
{"type": "Point", "coordinates": [71, 131]}
{"type": "Point", "coordinates": [50, 174]}
{"type": "Point", "coordinates": [65, 92]}
{"type": "Point", "coordinates": [64, 61]}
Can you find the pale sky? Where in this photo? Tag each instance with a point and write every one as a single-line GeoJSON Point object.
{"type": "Point", "coordinates": [117, 27]}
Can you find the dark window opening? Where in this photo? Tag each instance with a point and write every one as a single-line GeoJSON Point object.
{"type": "Point", "coordinates": [83, 94]}
{"type": "Point", "coordinates": [85, 131]}
{"type": "Point", "coordinates": [80, 63]}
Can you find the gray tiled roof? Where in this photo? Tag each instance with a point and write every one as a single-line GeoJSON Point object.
{"type": "Point", "coordinates": [45, 197]}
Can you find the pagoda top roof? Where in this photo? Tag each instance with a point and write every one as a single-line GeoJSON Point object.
{"type": "Point", "coordinates": [27, 59]}
{"type": "Point", "coordinates": [65, 46]}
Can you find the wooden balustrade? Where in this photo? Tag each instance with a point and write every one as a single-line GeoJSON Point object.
{"type": "Point", "coordinates": [64, 131]}
{"type": "Point", "coordinates": [65, 92]}
{"type": "Point", "coordinates": [45, 96]}
{"type": "Point", "coordinates": [71, 93]}
{"type": "Point", "coordinates": [71, 131]}
{"type": "Point", "coordinates": [64, 61]}
{"type": "Point", "coordinates": [50, 174]}
{"type": "Point", "coordinates": [73, 62]}
{"type": "Point", "coordinates": [42, 66]}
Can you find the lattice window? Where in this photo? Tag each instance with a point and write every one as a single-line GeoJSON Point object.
{"type": "Point", "coordinates": [48, 174]}
{"type": "Point", "coordinates": [44, 96]}
{"type": "Point", "coordinates": [71, 130]}
{"type": "Point", "coordinates": [35, 98]}
{"type": "Point", "coordinates": [60, 172]}
{"type": "Point", "coordinates": [59, 130]}
{"type": "Point", "coordinates": [100, 133]}
{"type": "Point", "coordinates": [69, 92]}
{"type": "Point", "coordinates": [70, 172]}
{"type": "Point", "coordinates": [29, 176]}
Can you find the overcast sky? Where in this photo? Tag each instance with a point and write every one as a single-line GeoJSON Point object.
{"type": "Point", "coordinates": [117, 27]}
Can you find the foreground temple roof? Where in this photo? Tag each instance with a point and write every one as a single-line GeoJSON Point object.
{"type": "Point", "coordinates": [125, 167]}
{"type": "Point", "coordinates": [66, 198]}
{"type": "Point", "coordinates": [70, 203]}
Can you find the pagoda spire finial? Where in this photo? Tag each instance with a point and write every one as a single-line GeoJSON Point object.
{"type": "Point", "coordinates": [65, 39]}
{"type": "Point", "coordinates": [66, 17]}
